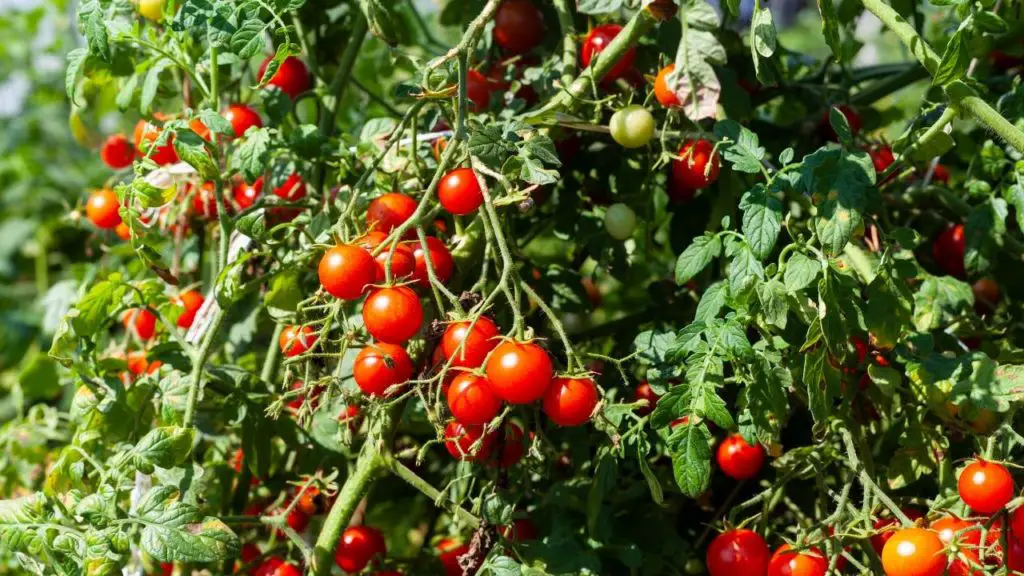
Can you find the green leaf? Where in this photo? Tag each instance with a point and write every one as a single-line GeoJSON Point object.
{"type": "Point", "coordinates": [763, 44]}
{"type": "Point", "coordinates": [148, 195]}
{"type": "Point", "coordinates": [697, 256]}
{"type": "Point", "coordinates": [691, 458]}
{"type": "Point", "coordinates": [840, 180]}
{"type": "Point", "coordinates": [774, 304]}
{"type": "Point", "coordinates": [983, 384]}
{"type": "Point", "coordinates": [194, 151]}
{"type": "Point", "coordinates": [150, 86]}
{"type": "Point", "coordinates": [887, 378]}
{"type": "Point", "coordinates": [939, 300]}
{"type": "Point", "coordinates": [740, 146]}
{"type": "Point", "coordinates": [96, 308]}
{"type": "Point", "coordinates": [39, 378]}
{"type": "Point", "coordinates": [711, 302]}
{"type": "Point", "coordinates": [801, 272]}
{"type": "Point", "coordinates": [76, 59]}
{"type": "Point", "coordinates": [166, 447]}
{"type": "Point", "coordinates": [534, 172]}
{"type": "Point", "coordinates": [216, 123]}
{"type": "Point", "coordinates": [96, 36]}
{"type": "Point", "coordinates": [984, 232]}
{"type": "Point", "coordinates": [488, 144]}
{"type": "Point", "coordinates": [248, 41]}
{"type": "Point", "coordinates": [762, 220]}
{"type": "Point", "coordinates": [830, 28]}
{"type": "Point", "coordinates": [251, 155]}
{"type": "Point", "coordinates": [887, 313]}
{"type": "Point", "coordinates": [767, 398]}
{"type": "Point", "coordinates": [694, 80]}
{"type": "Point", "coordinates": [955, 59]}
{"type": "Point", "coordinates": [653, 484]}
{"type": "Point", "coordinates": [17, 517]}
{"type": "Point", "coordinates": [383, 22]}
{"type": "Point", "coordinates": [744, 269]}
{"type": "Point", "coordinates": [206, 540]}
{"type": "Point", "coordinates": [285, 291]}
{"type": "Point", "coordinates": [598, 6]}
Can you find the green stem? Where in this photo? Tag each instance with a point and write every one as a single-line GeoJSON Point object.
{"type": "Point", "coordinates": [197, 367]}
{"type": "Point", "coordinates": [273, 351]}
{"type": "Point", "coordinates": [403, 472]}
{"type": "Point", "coordinates": [367, 466]}
{"type": "Point", "coordinates": [883, 88]}
{"type": "Point", "coordinates": [463, 99]}
{"type": "Point", "coordinates": [469, 38]}
{"type": "Point", "coordinates": [930, 134]}
{"type": "Point", "coordinates": [568, 28]}
{"type": "Point", "coordinates": [214, 80]}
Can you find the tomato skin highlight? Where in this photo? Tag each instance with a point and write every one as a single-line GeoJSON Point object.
{"type": "Point", "coordinates": [571, 401]}
{"type": "Point", "coordinates": [476, 344]}
{"type": "Point", "coordinates": [117, 152]}
{"type": "Point", "coordinates": [914, 552]}
{"type": "Point", "coordinates": [102, 209]}
{"type": "Point", "coordinates": [985, 486]}
{"type": "Point", "coordinates": [738, 459]}
{"type": "Point", "coordinates": [518, 26]}
{"type": "Point", "coordinates": [665, 96]}
{"type": "Point", "coordinates": [393, 314]}
{"type": "Point", "coordinates": [519, 372]}
{"type": "Point", "coordinates": [459, 440]}
{"type": "Point", "coordinates": [878, 540]}
{"type": "Point", "coordinates": [292, 76]}
{"type": "Point", "coordinates": [242, 118]}
{"type": "Point", "coordinates": [245, 195]}
{"type": "Point", "coordinates": [387, 212]}
{"type": "Point", "coordinates": [358, 547]}
{"type": "Point", "coordinates": [969, 538]}
{"type": "Point", "coordinates": [596, 41]}
{"type": "Point", "coordinates": [688, 173]}
{"type": "Point", "coordinates": [459, 191]}
{"type": "Point", "coordinates": [788, 562]}
{"type": "Point", "coordinates": [346, 271]}
{"type": "Point", "coordinates": [191, 301]}
{"type": "Point", "coordinates": [380, 366]}
{"type": "Point", "coordinates": [275, 566]}
{"type": "Point", "coordinates": [295, 340]}
{"type": "Point", "coordinates": [471, 400]}
{"type": "Point", "coordinates": [737, 552]}
{"type": "Point", "coordinates": [643, 391]}
{"type": "Point", "coordinates": [142, 321]}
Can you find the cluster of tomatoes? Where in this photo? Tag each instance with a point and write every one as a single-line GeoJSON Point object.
{"type": "Point", "coordinates": [948, 545]}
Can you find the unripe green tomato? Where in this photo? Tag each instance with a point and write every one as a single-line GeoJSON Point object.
{"type": "Point", "coordinates": [694, 566]}
{"type": "Point", "coordinates": [619, 221]}
{"type": "Point", "coordinates": [632, 127]}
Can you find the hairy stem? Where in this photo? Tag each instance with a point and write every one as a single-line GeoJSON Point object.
{"type": "Point", "coordinates": [568, 28]}
{"type": "Point", "coordinates": [197, 367]}
{"type": "Point", "coordinates": [414, 480]}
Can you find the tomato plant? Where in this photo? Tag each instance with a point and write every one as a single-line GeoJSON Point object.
{"type": "Point", "coordinates": [508, 287]}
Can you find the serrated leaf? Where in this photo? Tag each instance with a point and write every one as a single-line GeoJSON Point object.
{"type": "Point", "coordinates": [247, 41]}
{"type": "Point", "coordinates": [150, 85]}
{"type": "Point", "coordinates": [801, 271]}
{"type": "Point", "coordinates": [955, 59]}
{"type": "Point", "coordinates": [691, 458]}
{"type": "Point", "coordinates": [774, 305]}
{"type": "Point", "coordinates": [208, 540]}
{"type": "Point", "coordinates": [488, 144]}
{"type": "Point", "coordinates": [76, 59]}
{"type": "Point", "coordinates": [830, 28]}
{"type": "Point", "coordinates": [762, 220]}
{"type": "Point", "coordinates": [96, 35]}
{"type": "Point", "coordinates": [744, 270]}
{"type": "Point", "coordinates": [534, 172]}
{"type": "Point", "coordinates": [741, 147]}
{"type": "Point", "coordinates": [711, 302]}
{"type": "Point", "coordinates": [251, 155]}
{"type": "Point", "coordinates": [984, 232]}
{"type": "Point", "coordinates": [696, 257]}
{"type": "Point", "coordinates": [939, 300]}
{"type": "Point", "coordinates": [216, 123]}
{"type": "Point", "coordinates": [194, 151]}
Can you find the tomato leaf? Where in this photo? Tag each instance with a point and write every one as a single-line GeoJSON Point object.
{"type": "Point", "coordinates": [691, 458]}
{"type": "Point", "coordinates": [762, 220]}
{"type": "Point", "coordinates": [697, 256]}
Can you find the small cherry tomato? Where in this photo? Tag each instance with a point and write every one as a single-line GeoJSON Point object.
{"type": "Point", "coordinates": [664, 94]}
{"type": "Point", "coordinates": [940, 174]}
{"type": "Point", "coordinates": [478, 91]}
{"type": "Point", "coordinates": [632, 126]}
{"type": "Point", "coordinates": [117, 152]}
{"type": "Point", "coordinates": [102, 209]}
{"type": "Point", "coordinates": [596, 41]}
{"type": "Point", "coordinates": [295, 340]}
{"type": "Point", "coordinates": [882, 157]}
{"type": "Point", "coordinates": [392, 314]}
{"type": "Point", "coordinates": [519, 372]}
{"type": "Point", "coordinates": [292, 189]}
{"type": "Point", "coordinates": [313, 397]}
{"type": "Point", "coordinates": [468, 348]}
{"type": "Point", "coordinates": [440, 260]}
{"type": "Point", "coordinates": [146, 134]}
{"type": "Point", "coordinates": [245, 195]}
{"type": "Point", "coordinates": [788, 562]}
{"type": "Point", "coordinates": [737, 552]}
{"type": "Point", "coordinates": [914, 552]}
{"type": "Point", "coordinates": [275, 566]}
{"type": "Point", "coordinates": [389, 211]}
{"type": "Point", "coordinates": [123, 231]}
{"type": "Point", "coordinates": [204, 200]}
{"type": "Point", "coordinates": [191, 301]}
{"type": "Point", "coordinates": [459, 441]}
{"type": "Point", "coordinates": [521, 530]}
{"type": "Point", "coordinates": [346, 271]}
{"type": "Point", "coordinates": [619, 221]}
{"type": "Point", "coordinates": [380, 366]}
{"type": "Point", "coordinates": [292, 76]}
{"type": "Point", "coordinates": [513, 448]}
{"type": "Point", "coordinates": [471, 400]}
{"type": "Point", "coordinates": [948, 251]}
{"type": "Point", "coordinates": [450, 559]}
{"type": "Point", "coordinates": [699, 165]}
{"type": "Point", "coordinates": [518, 26]}
{"type": "Point", "coordinates": [738, 459]}
{"type": "Point", "coordinates": [242, 118]}
{"type": "Point", "coordinates": [358, 547]}
{"type": "Point", "coordinates": [1017, 523]}
{"type": "Point", "coordinates": [142, 322]}
{"type": "Point", "coordinates": [249, 553]}
{"type": "Point", "coordinates": [571, 401]}
{"type": "Point", "coordinates": [1015, 555]}
{"type": "Point", "coordinates": [459, 191]}
{"type": "Point", "coordinates": [886, 527]}
{"type": "Point", "coordinates": [403, 262]}
{"type": "Point", "coordinates": [643, 391]}
{"type": "Point", "coordinates": [985, 486]}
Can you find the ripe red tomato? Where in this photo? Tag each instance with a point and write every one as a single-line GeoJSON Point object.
{"type": "Point", "coordinates": [191, 301]}
{"type": "Point", "coordinates": [986, 295]}
{"type": "Point", "coordinates": [1017, 524]}
{"type": "Point", "coordinates": [392, 314]}
{"type": "Point", "coordinates": [311, 501]}
{"type": "Point", "coordinates": [985, 486]}
{"type": "Point", "coordinates": [882, 158]}
{"type": "Point", "coordinates": [914, 552]}
{"type": "Point", "coordinates": [242, 118]}
{"type": "Point", "coordinates": [146, 134]}
{"type": "Point", "coordinates": [275, 566]}
{"type": "Point", "coordinates": [737, 552]}
{"type": "Point", "coordinates": [292, 190]}
{"type": "Point", "coordinates": [478, 91]}
{"type": "Point", "coordinates": [440, 259]}
{"type": "Point", "coordinates": [359, 546]}
{"type": "Point", "coordinates": [948, 251]}
{"type": "Point", "coordinates": [142, 321]}
{"type": "Point", "coordinates": [292, 76]}
{"type": "Point", "coordinates": [940, 174]}
{"type": "Point", "coordinates": [475, 344]}
{"type": "Point", "coordinates": [571, 401]}
{"type": "Point", "coordinates": [860, 347]}
{"type": "Point", "coordinates": [459, 191]}
{"type": "Point", "coordinates": [698, 157]}
{"type": "Point", "coordinates": [246, 194]}
{"type": "Point", "coordinates": [380, 366]}
{"type": "Point", "coordinates": [512, 449]}
{"type": "Point", "coordinates": [739, 460]}
{"type": "Point", "coordinates": [450, 554]}
{"type": "Point", "coordinates": [117, 152]}
{"type": "Point", "coordinates": [196, 125]}
{"type": "Point", "coordinates": [403, 263]}
{"type": "Point", "coordinates": [459, 440]}
{"type": "Point", "coordinates": [644, 391]}
{"type": "Point", "coordinates": [948, 528]}
{"type": "Point", "coordinates": [346, 271]}
{"type": "Point", "coordinates": [519, 372]}
{"type": "Point", "coordinates": [665, 95]}
{"type": "Point", "coordinates": [249, 553]}
{"type": "Point", "coordinates": [1015, 556]}
{"type": "Point", "coordinates": [123, 231]}
{"type": "Point", "coordinates": [295, 340]}
{"type": "Point", "coordinates": [825, 125]}
{"type": "Point", "coordinates": [102, 209]}
{"type": "Point", "coordinates": [521, 530]}
{"type": "Point", "coordinates": [788, 562]}
{"type": "Point", "coordinates": [471, 400]}
{"type": "Point", "coordinates": [204, 200]}
{"type": "Point", "coordinates": [518, 26]}
{"type": "Point", "coordinates": [595, 43]}
{"type": "Point", "coordinates": [349, 414]}
{"type": "Point", "coordinates": [389, 211]}
{"type": "Point", "coordinates": [886, 527]}
{"type": "Point", "coordinates": [297, 520]}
